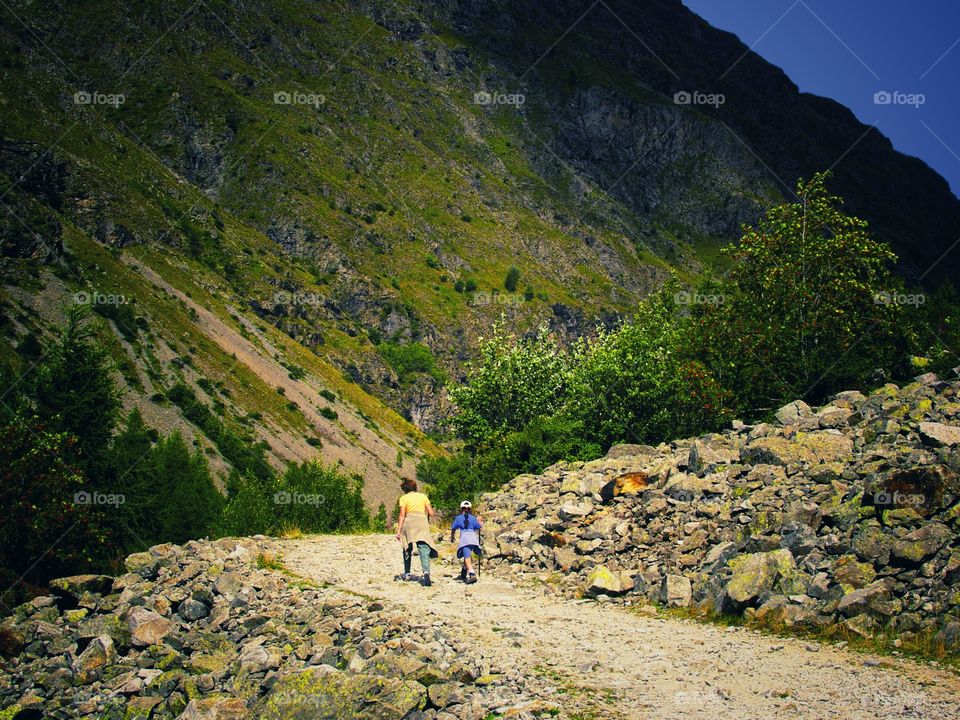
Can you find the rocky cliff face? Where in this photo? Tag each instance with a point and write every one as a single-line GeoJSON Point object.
{"type": "Point", "coordinates": [845, 515]}
{"type": "Point", "coordinates": [206, 632]}
{"type": "Point", "coordinates": [702, 165]}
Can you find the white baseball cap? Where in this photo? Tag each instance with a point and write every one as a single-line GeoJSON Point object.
{"type": "Point", "coordinates": [466, 504]}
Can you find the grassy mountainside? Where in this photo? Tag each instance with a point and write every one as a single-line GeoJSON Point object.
{"type": "Point", "coordinates": [312, 209]}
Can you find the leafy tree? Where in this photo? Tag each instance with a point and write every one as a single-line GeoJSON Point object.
{"type": "Point", "coordinates": [808, 308]}
{"type": "Point", "coordinates": [250, 509]}
{"type": "Point", "coordinates": [513, 382]}
{"type": "Point", "coordinates": [316, 498]}
{"type": "Point", "coordinates": [637, 384]}
{"type": "Point", "coordinates": [540, 444]}
{"type": "Point", "coordinates": [310, 497]}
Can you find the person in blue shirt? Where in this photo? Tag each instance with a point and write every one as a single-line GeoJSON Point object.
{"type": "Point", "coordinates": [469, 526]}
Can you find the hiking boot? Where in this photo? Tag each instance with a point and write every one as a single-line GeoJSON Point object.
{"type": "Point", "coordinates": [471, 579]}
{"type": "Point", "coordinates": [463, 574]}
{"type": "Point", "coordinates": [426, 580]}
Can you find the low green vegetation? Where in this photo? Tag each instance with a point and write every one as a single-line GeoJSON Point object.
{"type": "Point", "coordinates": [410, 359]}
{"type": "Point", "coordinates": [809, 307]}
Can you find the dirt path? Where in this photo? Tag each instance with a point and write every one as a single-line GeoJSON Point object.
{"type": "Point", "coordinates": [616, 663]}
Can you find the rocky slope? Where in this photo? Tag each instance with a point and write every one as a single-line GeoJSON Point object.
{"type": "Point", "coordinates": [205, 631]}
{"type": "Point", "coordinates": [840, 518]}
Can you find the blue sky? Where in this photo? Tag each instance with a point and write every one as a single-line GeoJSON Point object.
{"type": "Point", "coordinates": [849, 50]}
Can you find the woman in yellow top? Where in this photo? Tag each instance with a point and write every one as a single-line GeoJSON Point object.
{"type": "Point", "coordinates": [413, 529]}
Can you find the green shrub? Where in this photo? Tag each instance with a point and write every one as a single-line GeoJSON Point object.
{"type": "Point", "coordinates": [309, 497]}
{"type": "Point", "coordinates": [512, 278]}
{"type": "Point", "coordinates": [329, 413]}
{"type": "Point", "coordinates": [411, 359]}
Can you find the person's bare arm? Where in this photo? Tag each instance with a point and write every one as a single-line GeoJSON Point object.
{"type": "Point", "coordinates": [431, 513]}
{"type": "Point", "coordinates": [403, 514]}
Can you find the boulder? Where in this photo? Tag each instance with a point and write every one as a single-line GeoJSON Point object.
{"type": "Point", "coordinates": [191, 610]}
{"type": "Point", "coordinates": [602, 581]}
{"type": "Point", "coordinates": [754, 575]}
{"type": "Point", "coordinates": [940, 434]}
{"type": "Point", "coordinates": [215, 708]}
{"type": "Point", "coordinates": [867, 599]}
{"type": "Point", "coordinates": [852, 574]}
{"type": "Point", "coordinates": [144, 564]}
{"type": "Point", "coordinates": [324, 693]}
{"type": "Point", "coordinates": [792, 412]}
{"type": "Point", "coordinates": [808, 447]}
{"type": "Point", "coordinates": [147, 627]}
{"type": "Point", "coordinates": [91, 662]}
{"type": "Point", "coordinates": [676, 591]}
{"type": "Point", "coordinates": [73, 588]}
{"type": "Point", "coordinates": [922, 543]}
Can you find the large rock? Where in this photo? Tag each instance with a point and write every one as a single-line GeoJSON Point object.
{"type": "Point", "coordinates": [324, 693]}
{"type": "Point", "coordinates": [74, 587]}
{"type": "Point", "coordinates": [870, 599]}
{"type": "Point", "coordinates": [215, 708]}
{"type": "Point", "coordinates": [754, 575]}
{"type": "Point", "coordinates": [806, 447]}
{"type": "Point", "coordinates": [91, 662]}
{"type": "Point", "coordinates": [939, 434]}
{"type": "Point", "coordinates": [922, 543]}
{"type": "Point", "coordinates": [144, 564]}
{"type": "Point", "coordinates": [676, 591]}
{"type": "Point", "coordinates": [602, 581]}
{"type": "Point", "coordinates": [852, 574]}
{"type": "Point", "coordinates": [792, 412]}
{"type": "Point", "coordinates": [147, 627]}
